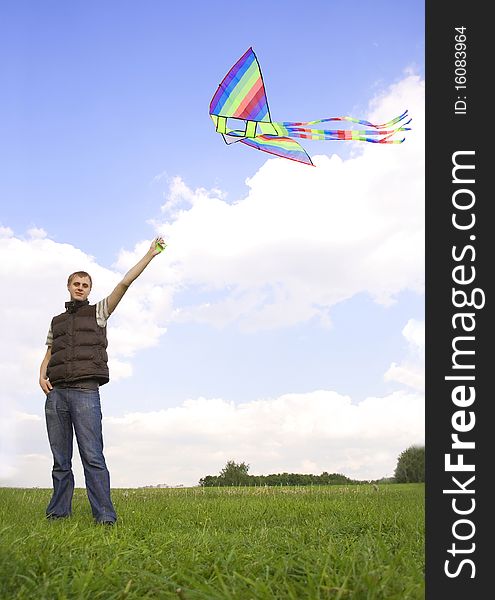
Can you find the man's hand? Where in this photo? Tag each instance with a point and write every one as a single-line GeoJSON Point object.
{"type": "Point", "coordinates": [155, 246]}
{"type": "Point", "coordinates": [45, 384]}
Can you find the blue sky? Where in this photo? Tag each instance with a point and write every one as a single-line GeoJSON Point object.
{"type": "Point", "coordinates": [106, 141]}
{"type": "Point", "coordinates": [103, 96]}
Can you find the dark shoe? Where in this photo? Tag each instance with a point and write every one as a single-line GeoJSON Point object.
{"type": "Point", "coordinates": [105, 522]}
{"type": "Point", "coordinates": [52, 517]}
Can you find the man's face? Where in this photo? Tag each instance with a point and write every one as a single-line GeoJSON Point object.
{"type": "Point", "coordinates": [79, 288]}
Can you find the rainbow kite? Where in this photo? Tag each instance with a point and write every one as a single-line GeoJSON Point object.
{"type": "Point", "coordinates": [241, 95]}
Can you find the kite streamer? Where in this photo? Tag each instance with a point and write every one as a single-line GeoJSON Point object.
{"type": "Point", "coordinates": [242, 96]}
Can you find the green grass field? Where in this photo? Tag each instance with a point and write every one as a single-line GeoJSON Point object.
{"type": "Point", "coordinates": [218, 543]}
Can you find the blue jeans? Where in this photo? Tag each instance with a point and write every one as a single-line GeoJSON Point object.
{"type": "Point", "coordinates": [68, 410]}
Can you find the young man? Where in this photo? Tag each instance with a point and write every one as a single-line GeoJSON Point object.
{"type": "Point", "coordinates": [74, 366]}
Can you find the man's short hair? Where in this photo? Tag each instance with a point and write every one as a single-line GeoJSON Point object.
{"type": "Point", "coordinates": [80, 274]}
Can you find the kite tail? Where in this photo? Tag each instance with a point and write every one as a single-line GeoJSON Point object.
{"type": "Point", "coordinates": [391, 123]}
{"type": "Point", "coordinates": [360, 135]}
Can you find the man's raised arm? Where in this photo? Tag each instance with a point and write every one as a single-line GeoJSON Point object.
{"type": "Point", "coordinates": [122, 287]}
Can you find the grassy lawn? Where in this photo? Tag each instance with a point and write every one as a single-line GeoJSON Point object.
{"type": "Point", "coordinates": [218, 543]}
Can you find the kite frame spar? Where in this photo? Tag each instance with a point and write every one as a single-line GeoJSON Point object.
{"type": "Point", "coordinates": [241, 95]}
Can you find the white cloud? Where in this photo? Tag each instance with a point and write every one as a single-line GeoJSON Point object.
{"type": "Point", "coordinates": [6, 232]}
{"type": "Point", "coordinates": [414, 332]}
{"type": "Point", "coordinates": [37, 233]}
{"type": "Point", "coordinates": [411, 371]}
{"type": "Point", "coordinates": [306, 433]}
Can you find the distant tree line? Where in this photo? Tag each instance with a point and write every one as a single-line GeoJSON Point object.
{"type": "Point", "coordinates": [410, 469]}
{"type": "Point", "coordinates": [237, 474]}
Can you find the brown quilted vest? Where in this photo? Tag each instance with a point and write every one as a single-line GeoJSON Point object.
{"type": "Point", "coordinates": [78, 348]}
